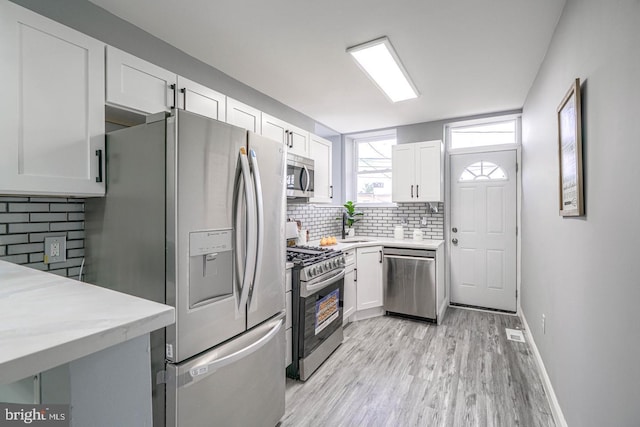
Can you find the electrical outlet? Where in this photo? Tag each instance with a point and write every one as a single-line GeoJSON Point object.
{"type": "Point", "coordinates": [544, 318]}
{"type": "Point", "coordinates": [55, 249]}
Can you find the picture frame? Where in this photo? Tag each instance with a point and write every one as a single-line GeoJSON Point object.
{"type": "Point", "coordinates": [570, 153]}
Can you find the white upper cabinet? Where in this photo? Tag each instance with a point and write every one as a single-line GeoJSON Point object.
{"type": "Point", "coordinates": [296, 139]}
{"type": "Point", "coordinates": [429, 182]}
{"type": "Point", "coordinates": [320, 151]}
{"type": "Point", "coordinates": [417, 172]}
{"type": "Point", "coordinates": [201, 100]}
{"type": "Point", "coordinates": [52, 110]}
{"type": "Point", "coordinates": [403, 173]}
{"type": "Point", "coordinates": [138, 85]}
{"type": "Point", "coordinates": [244, 116]}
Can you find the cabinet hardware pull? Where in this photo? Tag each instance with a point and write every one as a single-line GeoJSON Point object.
{"type": "Point", "coordinates": [175, 96]}
{"type": "Point", "coordinates": [412, 191]}
{"type": "Point", "coordinates": [417, 193]}
{"type": "Point", "coordinates": [99, 154]}
{"type": "Point", "coordinates": [380, 256]}
{"type": "Point", "coordinates": [290, 139]}
{"type": "Point", "coordinates": [286, 138]}
{"type": "Point", "coordinates": [331, 189]}
{"type": "Point", "coordinates": [355, 274]}
{"type": "Point", "coordinates": [184, 97]}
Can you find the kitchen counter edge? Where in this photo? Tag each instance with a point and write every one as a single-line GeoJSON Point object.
{"type": "Point", "coordinates": [382, 241]}
{"type": "Point", "coordinates": [48, 320]}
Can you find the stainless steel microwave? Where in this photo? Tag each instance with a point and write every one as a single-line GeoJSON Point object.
{"type": "Point", "coordinates": [299, 176]}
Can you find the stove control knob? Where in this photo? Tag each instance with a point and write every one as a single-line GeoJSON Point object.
{"type": "Point", "coordinates": [327, 265]}
{"type": "Point", "coordinates": [312, 272]}
{"type": "Point", "coordinates": [318, 269]}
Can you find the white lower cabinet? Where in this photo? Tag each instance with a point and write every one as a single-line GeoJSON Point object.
{"type": "Point", "coordinates": [350, 293]}
{"type": "Point", "coordinates": [369, 277]}
{"type": "Point", "coordinates": [52, 110]}
{"type": "Point", "coordinates": [288, 322]}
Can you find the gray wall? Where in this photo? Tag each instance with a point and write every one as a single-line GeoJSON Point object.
{"type": "Point", "coordinates": [584, 274]}
{"type": "Point", "coordinates": [102, 25]}
{"type": "Point", "coordinates": [429, 131]}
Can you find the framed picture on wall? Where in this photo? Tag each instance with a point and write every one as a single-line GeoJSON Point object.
{"type": "Point", "coordinates": [570, 153]}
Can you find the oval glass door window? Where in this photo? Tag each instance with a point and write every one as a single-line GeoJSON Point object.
{"type": "Point", "coordinates": [481, 171]}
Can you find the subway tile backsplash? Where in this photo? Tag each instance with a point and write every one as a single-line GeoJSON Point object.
{"type": "Point", "coordinates": [376, 222]}
{"type": "Point", "coordinates": [26, 221]}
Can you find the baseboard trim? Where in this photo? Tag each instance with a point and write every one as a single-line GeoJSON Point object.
{"type": "Point", "coordinates": [367, 314]}
{"type": "Point", "coordinates": [556, 411]}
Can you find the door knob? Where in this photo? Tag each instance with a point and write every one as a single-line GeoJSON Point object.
{"type": "Point", "coordinates": [454, 229]}
{"type": "Point", "coordinates": [454, 241]}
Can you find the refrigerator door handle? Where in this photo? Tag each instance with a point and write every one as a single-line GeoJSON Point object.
{"type": "Point", "coordinates": [257, 182]}
{"type": "Point", "coordinates": [200, 372]}
{"type": "Point", "coordinates": [250, 260]}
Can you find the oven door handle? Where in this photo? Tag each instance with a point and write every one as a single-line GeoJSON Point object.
{"type": "Point", "coordinates": [320, 285]}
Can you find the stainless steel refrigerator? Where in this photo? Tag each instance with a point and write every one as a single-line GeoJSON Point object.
{"type": "Point", "coordinates": [194, 217]}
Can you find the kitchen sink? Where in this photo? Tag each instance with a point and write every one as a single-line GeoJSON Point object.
{"type": "Point", "coordinates": [354, 240]}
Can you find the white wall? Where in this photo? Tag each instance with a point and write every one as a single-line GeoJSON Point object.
{"type": "Point", "coordinates": [584, 274]}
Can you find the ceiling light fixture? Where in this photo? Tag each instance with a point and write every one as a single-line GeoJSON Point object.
{"type": "Point", "coordinates": [381, 63]}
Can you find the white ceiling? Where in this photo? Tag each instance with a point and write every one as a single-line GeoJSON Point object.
{"type": "Point", "coordinates": [466, 57]}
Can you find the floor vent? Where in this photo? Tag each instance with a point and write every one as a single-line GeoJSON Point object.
{"type": "Point", "coordinates": [514, 335]}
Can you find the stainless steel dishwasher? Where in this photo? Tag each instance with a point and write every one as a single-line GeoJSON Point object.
{"type": "Point", "coordinates": [410, 282]}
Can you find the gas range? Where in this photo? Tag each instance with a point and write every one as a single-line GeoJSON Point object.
{"type": "Point", "coordinates": [313, 261]}
{"type": "Point", "coordinates": [317, 301]}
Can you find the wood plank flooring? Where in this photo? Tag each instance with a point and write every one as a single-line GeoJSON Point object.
{"type": "Point", "coordinates": [396, 372]}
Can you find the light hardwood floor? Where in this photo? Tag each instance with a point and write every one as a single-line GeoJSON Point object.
{"type": "Point", "coordinates": [396, 372]}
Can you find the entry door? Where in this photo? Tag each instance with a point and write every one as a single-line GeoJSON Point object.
{"type": "Point", "coordinates": [483, 229]}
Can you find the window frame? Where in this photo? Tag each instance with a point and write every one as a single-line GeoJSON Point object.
{"type": "Point", "coordinates": [352, 176]}
{"type": "Point", "coordinates": [517, 118]}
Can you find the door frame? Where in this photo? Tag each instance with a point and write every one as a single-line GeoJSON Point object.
{"type": "Point", "coordinates": [447, 189]}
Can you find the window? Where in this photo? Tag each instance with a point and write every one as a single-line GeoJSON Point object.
{"type": "Point", "coordinates": [481, 171]}
{"type": "Point", "coordinates": [479, 133]}
{"type": "Point", "coordinates": [373, 169]}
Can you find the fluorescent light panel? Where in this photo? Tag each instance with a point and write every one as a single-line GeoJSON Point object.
{"type": "Point", "coordinates": [380, 62]}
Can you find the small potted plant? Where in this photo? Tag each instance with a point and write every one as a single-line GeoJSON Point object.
{"type": "Point", "coordinates": [351, 217]}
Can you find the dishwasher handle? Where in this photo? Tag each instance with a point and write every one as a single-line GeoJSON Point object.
{"type": "Point", "coordinates": [418, 258]}
{"type": "Point", "coordinates": [409, 252]}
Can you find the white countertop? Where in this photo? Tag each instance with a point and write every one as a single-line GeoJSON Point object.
{"type": "Point", "coordinates": [363, 241]}
{"type": "Point", "coordinates": [48, 320]}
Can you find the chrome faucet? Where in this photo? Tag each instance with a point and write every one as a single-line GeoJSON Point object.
{"type": "Point", "coordinates": [344, 222]}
